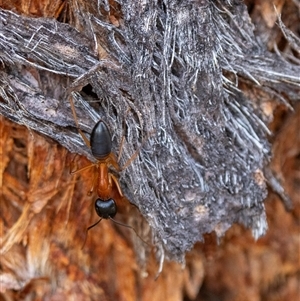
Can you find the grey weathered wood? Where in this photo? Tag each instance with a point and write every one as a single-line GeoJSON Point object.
{"type": "Point", "coordinates": [169, 82]}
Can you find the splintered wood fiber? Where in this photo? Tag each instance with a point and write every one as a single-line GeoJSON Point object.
{"type": "Point", "coordinates": [202, 102]}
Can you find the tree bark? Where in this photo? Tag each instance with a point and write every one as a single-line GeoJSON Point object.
{"type": "Point", "coordinates": [188, 93]}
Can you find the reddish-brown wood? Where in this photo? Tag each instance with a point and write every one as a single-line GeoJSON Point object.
{"type": "Point", "coordinates": [45, 212]}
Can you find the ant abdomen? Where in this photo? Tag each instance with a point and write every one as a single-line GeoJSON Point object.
{"type": "Point", "coordinates": [100, 140]}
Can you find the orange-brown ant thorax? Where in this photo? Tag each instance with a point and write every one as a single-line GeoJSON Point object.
{"type": "Point", "coordinates": [104, 186]}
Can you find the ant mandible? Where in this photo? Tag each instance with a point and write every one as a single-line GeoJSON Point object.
{"type": "Point", "coordinates": [108, 187]}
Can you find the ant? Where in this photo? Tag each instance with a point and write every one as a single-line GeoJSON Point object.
{"type": "Point", "coordinates": [108, 187]}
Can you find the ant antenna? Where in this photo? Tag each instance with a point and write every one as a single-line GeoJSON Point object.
{"type": "Point", "coordinates": [116, 222]}
{"type": "Point", "coordinates": [87, 229]}
{"type": "Point", "coordinates": [127, 226]}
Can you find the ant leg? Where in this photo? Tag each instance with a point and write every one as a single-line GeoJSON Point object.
{"type": "Point", "coordinates": [112, 161]}
{"type": "Point", "coordinates": [73, 164]}
{"type": "Point", "coordinates": [82, 169]}
{"type": "Point", "coordinates": [136, 153]}
{"type": "Point", "coordinates": [113, 178]}
{"type": "Point", "coordinates": [84, 137]}
{"type": "Point", "coordinates": [123, 136]}
{"type": "Point", "coordinates": [132, 158]}
{"type": "Point", "coordinates": [121, 148]}
{"type": "Point", "coordinates": [85, 168]}
{"type": "Point", "coordinates": [94, 181]}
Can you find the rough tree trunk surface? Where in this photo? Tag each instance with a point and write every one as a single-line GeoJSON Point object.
{"type": "Point", "coordinates": [191, 88]}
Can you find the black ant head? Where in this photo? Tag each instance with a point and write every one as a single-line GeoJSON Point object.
{"type": "Point", "coordinates": [106, 209]}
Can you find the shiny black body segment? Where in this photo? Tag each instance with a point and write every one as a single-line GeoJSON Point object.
{"type": "Point", "coordinates": [106, 208]}
{"type": "Point", "coordinates": [100, 140]}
